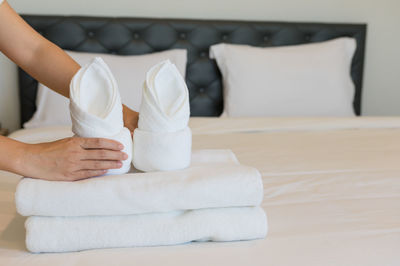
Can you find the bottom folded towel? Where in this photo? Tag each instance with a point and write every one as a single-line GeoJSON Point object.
{"type": "Point", "coordinates": [67, 234]}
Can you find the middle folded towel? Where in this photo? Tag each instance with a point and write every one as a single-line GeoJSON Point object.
{"type": "Point", "coordinates": [214, 179]}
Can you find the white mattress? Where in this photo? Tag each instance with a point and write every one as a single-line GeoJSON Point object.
{"type": "Point", "coordinates": [332, 195]}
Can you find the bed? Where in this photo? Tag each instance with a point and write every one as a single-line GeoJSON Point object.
{"type": "Point", "coordinates": [331, 193]}
{"type": "Point", "coordinates": [331, 185]}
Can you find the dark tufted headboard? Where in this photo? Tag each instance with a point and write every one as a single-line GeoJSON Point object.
{"type": "Point", "coordinates": [130, 36]}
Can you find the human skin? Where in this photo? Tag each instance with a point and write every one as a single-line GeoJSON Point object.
{"type": "Point", "coordinates": [68, 159]}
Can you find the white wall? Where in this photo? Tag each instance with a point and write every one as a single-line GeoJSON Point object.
{"type": "Point", "coordinates": [381, 86]}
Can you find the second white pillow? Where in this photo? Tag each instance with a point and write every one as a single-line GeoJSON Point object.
{"type": "Point", "coordinates": [301, 80]}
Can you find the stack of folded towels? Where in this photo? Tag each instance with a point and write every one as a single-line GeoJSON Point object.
{"type": "Point", "coordinates": [205, 195]}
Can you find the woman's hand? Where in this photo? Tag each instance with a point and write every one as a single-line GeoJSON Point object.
{"type": "Point", "coordinates": [131, 118]}
{"type": "Point", "coordinates": [70, 159]}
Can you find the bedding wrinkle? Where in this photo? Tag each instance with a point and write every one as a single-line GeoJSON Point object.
{"type": "Point", "coordinates": [325, 187]}
{"type": "Point", "coordinates": [256, 125]}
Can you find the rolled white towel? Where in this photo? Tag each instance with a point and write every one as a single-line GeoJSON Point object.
{"type": "Point", "coordinates": [163, 140]}
{"type": "Point", "coordinates": [215, 179]}
{"type": "Point", "coordinates": [66, 234]}
{"type": "Point", "coordinates": [96, 108]}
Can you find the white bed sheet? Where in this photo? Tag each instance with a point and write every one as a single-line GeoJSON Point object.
{"type": "Point", "coordinates": [332, 195]}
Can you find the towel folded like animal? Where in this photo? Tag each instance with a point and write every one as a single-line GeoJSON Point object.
{"type": "Point", "coordinates": [66, 234]}
{"type": "Point", "coordinates": [163, 140]}
{"type": "Point", "coordinates": [96, 108]}
{"type": "Point", "coordinates": [214, 179]}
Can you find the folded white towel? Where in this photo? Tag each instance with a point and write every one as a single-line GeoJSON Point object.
{"type": "Point", "coordinates": [163, 140]}
{"type": "Point", "coordinates": [96, 109]}
{"type": "Point", "coordinates": [215, 179]}
{"type": "Point", "coordinates": [66, 234]}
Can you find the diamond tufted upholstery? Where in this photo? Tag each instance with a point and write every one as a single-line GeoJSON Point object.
{"type": "Point", "coordinates": [133, 36]}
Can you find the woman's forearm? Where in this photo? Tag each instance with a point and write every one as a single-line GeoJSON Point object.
{"type": "Point", "coordinates": [43, 60]}
{"type": "Point", "coordinates": [51, 66]}
{"type": "Point", "coordinates": [10, 155]}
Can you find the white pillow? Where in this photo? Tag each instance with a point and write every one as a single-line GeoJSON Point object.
{"type": "Point", "coordinates": [129, 71]}
{"type": "Point", "coordinates": [300, 80]}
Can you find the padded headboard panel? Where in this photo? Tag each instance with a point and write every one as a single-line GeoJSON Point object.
{"type": "Point", "coordinates": [133, 36]}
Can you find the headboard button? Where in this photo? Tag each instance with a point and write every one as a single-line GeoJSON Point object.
{"type": "Point", "coordinates": [307, 37]}
{"type": "Point", "coordinates": [90, 33]}
{"type": "Point", "coordinates": [202, 90]}
{"type": "Point", "coordinates": [136, 36]}
{"type": "Point", "coordinates": [266, 38]}
{"type": "Point", "coordinates": [203, 54]}
{"type": "Point", "coordinates": [224, 37]}
{"type": "Point", "coordinates": [182, 35]}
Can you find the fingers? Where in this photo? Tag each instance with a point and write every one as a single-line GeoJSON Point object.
{"type": "Point", "coordinates": [83, 174]}
{"type": "Point", "coordinates": [99, 143]}
{"type": "Point", "coordinates": [93, 168]}
{"type": "Point", "coordinates": [101, 165]}
{"type": "Point", "coordinates": [104, 155]}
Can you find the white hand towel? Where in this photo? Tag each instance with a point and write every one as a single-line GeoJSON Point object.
{"type": "Point", "coordinates": [163, 140]}
{"type": "Point", "coordinates": [66, 234]}
{"type": "Point", "coordinates": [215, 179]}
{"type": "Point", "coordinates": [96, 109]}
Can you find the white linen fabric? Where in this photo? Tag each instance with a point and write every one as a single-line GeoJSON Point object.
{"type": "Point", "coordinates": [129, 70]}
{"type": "Point", "coordinates": [206, 202]}
{"type": "Point", "coordinates": [66, 234]}
{"type": "Point", "coordinates": [215, 179]}
{"type": "Point", "coordinates": [301, 80]}
{"type": "Point", "coordinates": [212, 125]}
{"type": "Point", "coordinates": [96, 108]}
{"type": "Point", "coordinates": [331, 192]}
{"type": "Point", "coordinates": [163, 140]}
{"type": "Point", "coordinates": [230, 125]}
